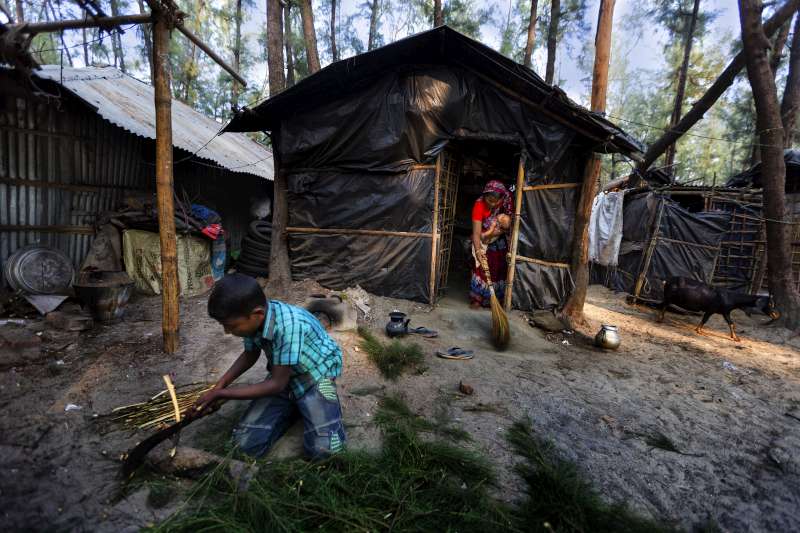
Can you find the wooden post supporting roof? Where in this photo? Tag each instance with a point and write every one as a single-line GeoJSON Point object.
{"type": "Point", "coordinates": [164, 184]}
{"type": "Point", "coordinates": [435, 231]}
{"type": "Point", "coordinates": [512, 257]}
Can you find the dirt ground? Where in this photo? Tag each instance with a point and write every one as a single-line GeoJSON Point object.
{"type": "Point", "coordinates": [731, 410]}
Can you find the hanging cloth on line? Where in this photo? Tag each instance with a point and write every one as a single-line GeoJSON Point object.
{"type": "Point", "coordinates": [605, 228]}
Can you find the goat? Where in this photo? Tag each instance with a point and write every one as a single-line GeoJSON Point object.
{"type": "Point", "coordinates": [694, 295]}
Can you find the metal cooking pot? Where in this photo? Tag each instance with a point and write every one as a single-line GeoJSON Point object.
{"type": "Point", "coordinates": [607, 337]}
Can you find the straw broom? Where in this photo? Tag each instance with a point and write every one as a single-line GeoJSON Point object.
{"type": "Point", "coordinates": [501, 334]}
{"type": "Point", "coordinates": [156, 412]}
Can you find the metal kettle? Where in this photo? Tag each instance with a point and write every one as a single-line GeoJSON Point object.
{"type": "Point", "coordinates": [398, 324]}
{"type": "Point", "coordinates": [607, 337]}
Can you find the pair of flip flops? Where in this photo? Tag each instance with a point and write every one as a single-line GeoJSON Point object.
{"type": "Point", "coordinates": [456, 353]}
{"type": "Point", "coordinates": [424, 332]}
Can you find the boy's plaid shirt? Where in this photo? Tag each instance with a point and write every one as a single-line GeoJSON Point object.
{"type": "Point", "coordinates": [297, 339]}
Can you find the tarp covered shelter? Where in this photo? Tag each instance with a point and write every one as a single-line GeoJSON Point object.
{"type": "Point", "coordinates": [374, 149]}
{"type": "Point", "coordinates": [661, 239]}
{"type": "Point", "coordinates": [74, 142]}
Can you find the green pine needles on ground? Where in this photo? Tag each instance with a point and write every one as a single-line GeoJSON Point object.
{"type": "Point", "coordinates": [413, 483]}
{"type": "Point", "coordinates": [392, 359]}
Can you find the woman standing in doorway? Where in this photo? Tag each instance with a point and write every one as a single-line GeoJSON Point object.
{"type": "Point", "coordinates": [491, 219]}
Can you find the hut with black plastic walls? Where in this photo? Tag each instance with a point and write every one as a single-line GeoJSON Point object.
{"type": "Point", "coordinates": [384, 153]}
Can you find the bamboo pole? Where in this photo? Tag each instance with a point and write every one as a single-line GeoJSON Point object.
{"type": "Point", "coordinates": [649, 253]}
{"type": "Point", "coordinates": [366, 232]}
{"type": "Point", "coordinates": [551, 186]}
{"type": "Point", "coordinates": [512, 263]}
{"type": "Point", "coordinates": [690, 244]}
{"type": "Point", "coordinates": [164, 185]}
{"type": "Point", "coordinates": [435, 229]}
{"type": "Point", "coordinates": [542, 262]}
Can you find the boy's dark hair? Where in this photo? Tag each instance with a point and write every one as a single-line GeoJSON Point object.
{"type": "Point", "coordinates": [234, 296]}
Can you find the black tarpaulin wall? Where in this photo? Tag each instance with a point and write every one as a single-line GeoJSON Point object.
{"type": "Point", "coordinates": [398, 267]}
{"type": "Point", "coordinates": [686, 245]}
{"type": "Point", "coordinates": [350, 164]}
{"type": "Point", "coordinates": [407, 117]}
{"type": "Point", "coordinates": [545, 234]}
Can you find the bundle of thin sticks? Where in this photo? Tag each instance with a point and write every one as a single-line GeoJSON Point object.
{"type": "Point", "coordinates": [158, 410]}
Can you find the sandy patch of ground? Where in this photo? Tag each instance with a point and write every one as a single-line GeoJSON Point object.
{"type": "Point", "coordinates": [737, 427]}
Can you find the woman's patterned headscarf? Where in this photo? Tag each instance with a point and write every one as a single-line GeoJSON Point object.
{"type": "Point", "coordinates": [506, 205]}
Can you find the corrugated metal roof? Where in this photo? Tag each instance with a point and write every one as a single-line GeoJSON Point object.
{"type": "Point", "coordinates": [128, 103]}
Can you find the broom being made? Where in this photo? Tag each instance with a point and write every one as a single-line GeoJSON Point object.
{"type": "Point", "coordinates": [501, 334]}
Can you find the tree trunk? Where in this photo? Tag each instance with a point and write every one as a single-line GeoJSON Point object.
{"type": "Point", "coordinates": [552, 40]}
{"type": "Point", "coordinates": [45, 15]}
{"type": "Point", "coordinates": [791, 93]}
{"type": "Point", "coordinates": [190, 74]}
{"type": "Point", "coordinates": [20, 12]}
{"type": "Point", "coordinates": [237, 55]}
{"type": "Point", "coordinates": [712, 94]}
{"type": "Point", "coordinates": [7, 12]}
{"type": "Point", "coordinates": [773, 169]}
{"type": "Point", "coordinates": [774, 65]}
{"type": "Point", "coordinates": [334, 52]}
{"type": "Point", "coordinates": [373, 25]}
{"type": "Point", "coordinates": [275, 47]}
{"type": "Point", "coordinates": [116, 39]}
{"type": "Point", "coordinates": [438, 18]}
{"type": "Point", "coordinates": [531, 34]}
{"type": "Point", "coordinates": [86, 49]}
{"type": "Point", "coordinates": [680, 91]}
{"type": "Point", "coordinates": [280, 274]}
{"type": "Point", "coordinates": [287, 32]}
{"type": "Point", "coordinates": [147, 37]}
{"type": "Point", "coordinates": [64, 47]}
{"type": "Point", "coordinates": [579, 266]}
{"type": "Point", "coordinates": [778, 47]}
{"type": "Point", "coordinates": [310, 36]}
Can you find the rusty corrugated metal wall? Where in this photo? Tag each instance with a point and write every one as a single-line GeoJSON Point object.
{"type": "Point", "coordinates": [60, 165]}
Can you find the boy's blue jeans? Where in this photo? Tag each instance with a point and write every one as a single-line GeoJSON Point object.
{"type": "Point", "coordinates": [268, 418]}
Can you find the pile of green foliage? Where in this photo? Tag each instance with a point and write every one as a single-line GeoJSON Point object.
{"type": "Point", "coordinates": [392, 359]}
{"type": "Point", "coordinates": [414, 483]}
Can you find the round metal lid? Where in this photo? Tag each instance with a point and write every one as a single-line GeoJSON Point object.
{"type": "Point", "coordinates": [39, 270]}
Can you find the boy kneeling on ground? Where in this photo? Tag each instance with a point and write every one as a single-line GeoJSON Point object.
{"type": "Point", "coordinates": [302, 360]}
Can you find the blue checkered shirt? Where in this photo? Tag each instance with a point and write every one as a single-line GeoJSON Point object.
{"type": "Point", "coordinates": [294, 337]}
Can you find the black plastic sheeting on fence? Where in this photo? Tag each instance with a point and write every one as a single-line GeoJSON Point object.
{"type": "Point", "coordinates": [398, 267]}
{"type": "Point", "coordinates": [686, 246]}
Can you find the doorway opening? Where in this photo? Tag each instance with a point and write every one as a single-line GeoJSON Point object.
{"type": "Point", "coordinates": [466, 167]}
